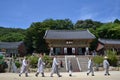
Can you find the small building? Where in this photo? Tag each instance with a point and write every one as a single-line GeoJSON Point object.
{"type": "Point", "coordinates": [108, 44]}
{"type": "Point", "coordinates": [68, 42]}
{"type": "Point", "coordinates": [13, 48]}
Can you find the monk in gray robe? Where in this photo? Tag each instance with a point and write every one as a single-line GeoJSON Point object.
{"type": "Point", "coordinates": [90, 67]}
{"type": "Point", "coordinates": [40, 66]}
{"type": "Point", "coordinates": [55, 65]}
{"type": "Point", "coordinates": [106, 65]}
{"type": "Point", "coordinates": [24, 68]}
{"type": "Point", "coordinates": [70, 68]}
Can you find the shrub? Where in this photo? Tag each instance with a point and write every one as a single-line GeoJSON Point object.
{"type": "Point", "coordinates": [17, 63]}
{"type": "Point", "coordinates": [33, 61]}
{"type": "Point", "coordinates": [47, 60]}
{"type": "Point", "coordinates": [2, 65]}
{"type": "Point", "coordinates": [98, 59]}
{"type": "Point", "coordinates": [112, 58]}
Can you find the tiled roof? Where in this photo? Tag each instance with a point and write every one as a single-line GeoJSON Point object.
{"type": "Point", "coordinates": [109, 41]}
{"type": "Point", "coordinates": [68, 34]}
{"type": "Point", "coordinates": [10, 45]}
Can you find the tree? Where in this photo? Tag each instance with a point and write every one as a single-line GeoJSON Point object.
{"type": "Point", "coordinates": [11, 34]}
{"type": "Point", "coordinates": [34, 38]}
{"type": "Point", "coordinates": [65, 24]}
{"type": "Point", "coordinates": [34, 35]}
{"type": "Point", "coordinates": [117, 21]}
{"type": "Point", "coordinates": [109, 31]}
{"type": "Point", "coordinates": [12, 37]}
{"type": "Point", "coordinates": [88, 23]}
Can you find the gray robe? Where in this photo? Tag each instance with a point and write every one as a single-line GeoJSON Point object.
{"type": "Point", "coordinates": [90, 67]}
{"type": "Point", "coordinates": [55, 66]}
{"type": "Point", "coordinates": [24, 66]}
{"type": "Point", "coordinates": [14, 68]}
{"type": "Point", "coordinates": [106, 67]}
{"type": "Point", "coordinates": [69, 66]}
{"type": "Point", "coordinates": [106, 64]}
{"type": "Point", "coordinates": [40, 66]}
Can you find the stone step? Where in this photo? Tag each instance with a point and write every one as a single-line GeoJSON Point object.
{"type": "Point", "coordinates": [83, 63]}
{"type": "Point", "coordinates": [74, 64]}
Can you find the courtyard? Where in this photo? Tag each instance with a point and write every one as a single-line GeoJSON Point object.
{"type": "Point", "coordinates": [115, 75]}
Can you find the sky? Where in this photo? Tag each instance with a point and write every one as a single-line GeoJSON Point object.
{"type": "Point", "coordinates": [22, 13]}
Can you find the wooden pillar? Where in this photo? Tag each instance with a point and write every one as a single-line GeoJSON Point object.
{"type": "Point", "coordinates": [73, 51]}
{"type": "Point", "coordinates": [62, 50]}
{"type": "Point", "coordinates": [76, 51]}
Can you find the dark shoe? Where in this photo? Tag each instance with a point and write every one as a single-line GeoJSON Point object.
{"type": "Point", "coordinates": [19, 75]}
{"type": "Point", "coordinates": [26, 75]}
{"type": "Point", "coordinates": [36, 74]}
{"type": "Point", "coordinates": [70, 75]}
{"type": "Point", "coordinates": [93, 75]}
{"type": "Point", "coordinates": [108, 74]}
{"type": "Point", "coordinates": [59, 76]}
{"type": "Point", "coordinates": [43, 75]}
{"type": "Point", "coordinates": [51, 76]}
{"type": "Point", "coordinates": [105, 74]}
{"type": "Point", "coordinates": [87, 74]}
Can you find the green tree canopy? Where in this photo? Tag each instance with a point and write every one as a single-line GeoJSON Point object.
{"type": "Point", "coordinates": [34, 35]}
{"type": "Point", "coordinates": [11, 34]}
{"type": "Point", "coordinates": [88, 23]}
{"type": "Point", "coordinates": [109, 31]}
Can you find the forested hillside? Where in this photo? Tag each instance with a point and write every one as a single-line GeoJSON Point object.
{"type": "Point", "coordinates": [11, 34]}
{"type": "Point", "coordinates": [33, 36]}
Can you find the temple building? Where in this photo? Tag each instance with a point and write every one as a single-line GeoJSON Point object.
{"type": "Point", "coordinates": [108, 44]}
{"type": "Point", "coordinates": [68, 42]}
{"type": "Point", "coordinates": [13, 48]}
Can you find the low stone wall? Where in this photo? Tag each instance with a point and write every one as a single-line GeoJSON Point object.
{"type": "Point", "coordinates": [35, 70]}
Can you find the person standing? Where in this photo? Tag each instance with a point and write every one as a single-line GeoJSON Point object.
{"type": "Point", "coordinates": [55, 65]}
{"type": "Point", "coordinates": [61, 64]}
{"type": "Point", "coordinates": [9, 62]}
{"type": "Point", "coordinates": [106, 66]}
{"type": "Point", "coordinates": [24, 68]}
{"type": "Point", "coordinates": [70, 68]}
{"type": "Point", "coordinates": [40, 66]}
{"type": "Point", "coordinates": [90, 66]}
{"type": "Point", "coordinates": [14, 67]}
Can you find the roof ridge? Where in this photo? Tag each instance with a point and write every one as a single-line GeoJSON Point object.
{"type": "Point", "coordinates": [68, 34]}
{"type": "Point", "coordinates": [69, 30]}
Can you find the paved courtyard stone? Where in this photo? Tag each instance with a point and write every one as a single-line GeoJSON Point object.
{"type": "Point", "coordinates": [115, 75]}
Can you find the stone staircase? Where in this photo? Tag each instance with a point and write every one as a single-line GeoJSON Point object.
{"type": "Point", "coordinates": [83, 61]}
{"type": "Point", "coordinates": [74, 62]}
{"type": "Point", "coordinates": [62, 69]}
{"type": "Point", "coordinates": [75, 65]}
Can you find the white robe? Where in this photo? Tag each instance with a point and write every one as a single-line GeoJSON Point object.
{"type": "Point", "coordinates": [40, 66]}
